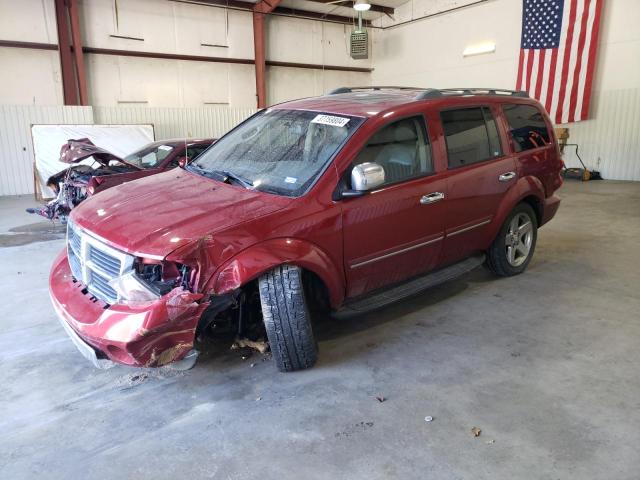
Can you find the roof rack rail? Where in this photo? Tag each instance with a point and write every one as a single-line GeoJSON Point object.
{"type": "Point", "coordinates": [430, 93]}
{"type": "Point", "coordinates": [374, 87]}
{"type": "Point", "coordinates": [484, 91]}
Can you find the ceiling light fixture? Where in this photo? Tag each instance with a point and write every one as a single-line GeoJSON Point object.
{"type": "Point", "coordinates": [479, 49]}
{"type": "Point", "coordinates": [361, 5]}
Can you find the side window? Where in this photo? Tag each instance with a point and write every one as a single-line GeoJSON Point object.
{"type": "Point", "coordinates": [471, 136]}
{"type": "Point", "coordinates": [401, 148]}
{"type": "Point", "coordinates": [194, 151]}
{"type": "Point", "coordinates": [527, 126]}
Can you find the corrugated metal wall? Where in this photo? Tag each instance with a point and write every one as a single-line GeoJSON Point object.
{"type": "Point", "coordinates": [16, 148]}
{"type": "Point", "coordinates": [177, 122]}
{"type": "Point", "coordinates": [611, 142]}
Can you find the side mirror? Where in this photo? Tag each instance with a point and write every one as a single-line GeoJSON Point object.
{"type": "Point", "coordinates": [364, 177]}
{"type": "Point", "coordinates": [182, 162]}
{"type": "Point", "coordinates": [367, 176]}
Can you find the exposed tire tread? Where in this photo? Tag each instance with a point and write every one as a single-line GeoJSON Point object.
{"type": "Point", "coordinates": [496, 257]}
{"type": "Point", "coordinates": [287, 319]}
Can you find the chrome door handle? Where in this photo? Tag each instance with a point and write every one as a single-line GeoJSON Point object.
{"type": "Point", "coordinates": [432, 198]}
{"type": "Point", "coordinates": [505, 177]}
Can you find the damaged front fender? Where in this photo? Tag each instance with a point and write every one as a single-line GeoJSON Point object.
{"type": "Point", "coordinates": [149, 335]}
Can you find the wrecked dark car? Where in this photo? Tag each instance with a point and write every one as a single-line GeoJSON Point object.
{"type": "Point", "coordinates": [74, 184]}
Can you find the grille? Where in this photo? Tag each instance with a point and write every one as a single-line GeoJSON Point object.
{"type": "Point", "coordinates": [104, 262]}
{"type": "Point", "coordinates": [100, 287]}
{"type": "Point", "coordinates": [94, 263]}
{"type": "Point", "coordinates": [74, 263]}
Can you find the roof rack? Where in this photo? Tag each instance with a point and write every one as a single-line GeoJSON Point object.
{"type": "Point", "coordinates": [484, 91]}
{"type": "Point", "coordinates": [375, 87]}
{"type": "Point", "coordinates": [431, 93]}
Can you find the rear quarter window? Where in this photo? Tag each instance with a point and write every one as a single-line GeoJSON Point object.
{"type": "Point", "coordinates": [527, 126]}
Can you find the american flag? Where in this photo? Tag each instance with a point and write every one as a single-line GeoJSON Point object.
{"type": "Point", "coordinates": [558, 54]}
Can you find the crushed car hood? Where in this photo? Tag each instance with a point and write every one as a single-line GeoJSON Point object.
{"type": "Point", "coordinates": [155, 215]}
{"type": "Point", "coordinates": [75, 151]}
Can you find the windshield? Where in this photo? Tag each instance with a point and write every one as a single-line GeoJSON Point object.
{"type": "Point", "coordinates": [149, 157]}
{"type": "Point", "coordinates": [278, 151]}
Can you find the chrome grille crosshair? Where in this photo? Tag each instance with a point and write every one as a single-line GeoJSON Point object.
{"type": "Point", "coordinates": [94, 263]}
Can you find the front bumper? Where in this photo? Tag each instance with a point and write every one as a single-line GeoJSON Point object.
{"type": "Point", "coordinates": [147, 335]}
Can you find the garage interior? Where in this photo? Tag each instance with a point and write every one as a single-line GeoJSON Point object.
{"type": "Point", "coordinates": [532, 376]}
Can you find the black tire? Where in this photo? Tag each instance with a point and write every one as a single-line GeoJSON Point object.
{"type": "Point", "coordinates": [287, 319]}
{"type": "Point", "coordinates": [497, 257]}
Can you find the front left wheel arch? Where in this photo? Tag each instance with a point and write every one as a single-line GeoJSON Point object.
{"type": "Point", "coordinates": [261, 258]}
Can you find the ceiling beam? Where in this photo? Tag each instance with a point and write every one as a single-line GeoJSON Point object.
{"type": "Point", "coordinates": [282, 11]}
{"type": "Point", "coordinates": [325, 17]}
{"type": "Point", "coordinates": [349, 4]}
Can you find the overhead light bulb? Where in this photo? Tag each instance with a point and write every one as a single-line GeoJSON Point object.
{"type": "Point", "coordinates": [361, 5]}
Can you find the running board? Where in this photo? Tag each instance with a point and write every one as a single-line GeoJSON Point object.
{"type": "Point", "coordinates": [411, 287]}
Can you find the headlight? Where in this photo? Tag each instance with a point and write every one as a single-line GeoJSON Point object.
{"type": "Point", "coordinates": [131, 290]}
{"type": "Point", "coordinates": [149, 280]}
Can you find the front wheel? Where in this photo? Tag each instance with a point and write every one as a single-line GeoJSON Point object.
{"type": "Point", "coordinates": [512, 249]}
{"type": "Point", "coordinates": [287, 319]}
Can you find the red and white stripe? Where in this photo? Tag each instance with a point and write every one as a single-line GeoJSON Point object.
{"type": "Point", "coordinates": [562, 78]}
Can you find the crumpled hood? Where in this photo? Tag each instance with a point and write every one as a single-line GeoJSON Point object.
{"type": "Point", "coordinates": [155, 215]}
{"type": "Point", "coordinates": [75, 151]}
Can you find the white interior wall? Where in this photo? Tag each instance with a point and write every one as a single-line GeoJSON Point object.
{"type": "Point", "coordinates": [170, 27]}
{"type": "Point", "coordinates": [428, 52]}
{"type": "Point", "coordinates": [29, 76]}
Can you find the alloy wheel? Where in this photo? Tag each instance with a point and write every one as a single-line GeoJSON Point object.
{"type": "Point", "coordinates": [519, 239]}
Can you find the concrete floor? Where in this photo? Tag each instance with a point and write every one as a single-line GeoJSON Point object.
{"type": "Point", "coordinates": [545, 364]}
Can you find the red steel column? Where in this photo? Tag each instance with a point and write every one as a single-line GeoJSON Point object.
{"type": "Point", "coordinates": [259, 11]}
{"type": "Point", "coordinates": [77, 51]}
{"type": "Point", "coordinates": [259, 55]}
{"type": "Point", "coordinates": [66, 59]}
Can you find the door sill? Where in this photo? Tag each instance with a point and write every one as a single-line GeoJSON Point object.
{"type": "Point", "coordinates": [381, 298]}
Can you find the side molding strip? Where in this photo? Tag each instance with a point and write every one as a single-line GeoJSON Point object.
{"type": "Point", "coordinates": [466, 229]}
{"type": "Point", "coordinates": [398, 252]}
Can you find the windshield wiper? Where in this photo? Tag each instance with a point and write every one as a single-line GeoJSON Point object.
{"type": "Point", "coordinates": [227, 176]}
{"type": "Point", "coordinates": [221, 175]}
{"type": "Point", "coordinates": [192, 166]}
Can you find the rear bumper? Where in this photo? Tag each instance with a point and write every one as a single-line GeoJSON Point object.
{"type": "Point", "coordinates": [550, 208]}
{"type": "Point", "coordinates": [149, 335]}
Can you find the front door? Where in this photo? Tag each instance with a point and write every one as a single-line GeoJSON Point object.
{"type": "Point", "coordinates": [396, 231]}
{"type": "Point", "coordinates": [479, 176]}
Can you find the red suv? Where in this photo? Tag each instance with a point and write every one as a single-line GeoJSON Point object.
{"type": "Point", "coordinates": [347, 201]}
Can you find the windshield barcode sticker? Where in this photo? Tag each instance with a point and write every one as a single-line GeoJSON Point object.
{"type": "Point", "coordinates": [330, 120]}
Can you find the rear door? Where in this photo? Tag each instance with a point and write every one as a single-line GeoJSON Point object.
{"type": "Point", "coordinates": [395, 231]}
{"type": "Point", "coordinates": [479, 175]}
{"type": "Point", "coordinates": [533, 143]}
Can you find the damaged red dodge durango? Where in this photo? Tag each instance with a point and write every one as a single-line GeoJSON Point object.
{"type": "Point", "coordinates": [347, 201]}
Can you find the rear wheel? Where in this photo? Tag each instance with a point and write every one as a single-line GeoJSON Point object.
{"type": "Point", "coordinates": [287, 319]}
{"type": "Point", "coordinates": [512, 249]}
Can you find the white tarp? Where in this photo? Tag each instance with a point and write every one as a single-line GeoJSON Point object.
{"type": "Point", "coordinates": [120, 140]}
